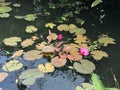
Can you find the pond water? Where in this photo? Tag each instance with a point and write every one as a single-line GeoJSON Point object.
{"type": "Point", "coordinates": [97, 22]}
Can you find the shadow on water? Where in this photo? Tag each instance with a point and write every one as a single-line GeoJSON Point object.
{"type": "Point", "coordinates": [65, 80]}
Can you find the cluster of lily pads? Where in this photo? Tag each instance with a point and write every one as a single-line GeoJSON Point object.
{"type": "Point", "coordinates": [73, 54]}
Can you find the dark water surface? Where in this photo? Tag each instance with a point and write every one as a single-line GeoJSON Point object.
{"type": "Point", "coordinates": [67, 80]}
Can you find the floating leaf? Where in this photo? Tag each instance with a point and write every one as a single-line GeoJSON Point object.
{"type": "Point", "coordinates": [19, 17]}
{"type": "Point", "coordinates": [32, 55]}
{"type": "Point", "coordinates": [84, 66]}
{"type": "Point", "coordinates": [78, 20]}
{"type": "Point", "coordinates": [12, 65]}
{"type": "Point", "coordinates": [12, 41]}
{"type": "Point", "coordinates": [52, 36]}
{"type": "Point", "coordinates": [63, 27]}
{"type": "Point", "coordinates": [88, 86]}
{"type": "Point", "coordinates": [105, 40]}
{"type": "Point", "coordinates": [98, 54]}
{"type": "Point", "coordinates": [40, 46]}
{"type": "Point", "coordinates": [79, 88]}
{"type": "Point", "coordinates": [5, 9]}
{"type": "Point", "coordinates": [30, 17]}
{"type": "Point", "coordinates": [17, 5]}
{"type": "Point", "coordinates": [48, 67]}
{"type": "Point", "coordinates": [79, 31]}
{"type": "Point", "coordinates": [96, 2]}
{"type": "Point", "coordinates": [48, 49]}
{"type": "Point", "coordinates": [3, 75]}
{"type": "Point", "coordinates": [4, 15]}
{"type": "Point", "coordinates": [50, 25]}
{"type": "Point", "coordinates": [27, 42]}
{"type": "Point", "coordinates": [31, 29]}
{"type": "Point", "coordinates": [58, 62]}
{"type": "Point", "coordinates": [28, 77]}
{"type": "Point", "coordinates": [34, 38]}
{"type": "Point", "coordinates": [17, 54]}
{"type": "Point", "coordinates": [80, 39]}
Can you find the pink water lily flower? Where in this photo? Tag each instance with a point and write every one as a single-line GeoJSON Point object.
{"type": "Point", "coordinates": [84, 51]}
{"type": "Point", "coordinates": [60, 37]}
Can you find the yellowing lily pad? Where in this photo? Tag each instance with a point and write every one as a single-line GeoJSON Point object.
{"type": "Point", "coordinates": [58, 62]}
{"type": "Point", "coordinates": [28, 77]}
{"type": "Point", "coordinates": [48, 49]}
{"type": "Point", "coordinates": [12, 65]}
{"type": "Point", "coordinates": [50, 25]}
{"type": "Point", "coordinates": [52, 36]}
{"type": "Point", "coordinates": [12, 41]}
{"type": "Point", "coordinates": [40, 46]}
{"type": "Point", "coordinates": [17, 54]}
{"type": "Point", "coordinates": [27, 42]}
{"type": "Point", "coordinates": [84, 66]}
{"type": "Point", "coordinates": [17, 5]}
{"type": "Point", "coordinates": [32, 55]}
{"type": "Point", "coordinates": [48, 67]}
{"type": "Point", "coordinates": [31, 29]}
{"type": "Point", "coordinates": [80, 39]}
{"type": "Point", "coordinates": [30, 17]}
{"type": "Point", "coordinates": [63, 27]}
{"type": "Point", "coordinates": [105, 40]}
{"type": "Point", "coordinates": [98, 54]}
{"type": "Point", "coordinates": [5, 9]}
{"type": "Point", "coordinates": [3, 75]}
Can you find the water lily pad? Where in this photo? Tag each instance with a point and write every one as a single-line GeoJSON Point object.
{"type": "Point", "coordinates": [27, 42]}
{"type": "Point", "coordinates": [52, 36]}
{"type": "Point", "coordinates": [50, 25]}
{"type": "Point", "coordinates": [79, 31]}
{"type": "Point", "coordinates": [79, 88]}
{"type": "Point", "coordinates": [98, 54]}
{"type": "Point", "coordinates": [5, 9]}
{"type": "Point", "coordinates": [32, 55]}
{"type": "Point", "coordinates": [12, 65]}
{"type": "Point", "coordinates": [31, 29]}
{"type": "Point", "coordinates": [58, 62]}
{"type": "Point", "coordinates": [105, 40]}
{"type": "Point", "coordinates": [84, 66]}
{"type": "Point", "coordinates": [63, 27]}
{"type": "Point", "coordinates": [48, 67]}
{"type": "Point", "coordinates": [17, 54]}
{"type": "Point", "coordinates": [3, 75]}
{"type": "Point", "coordinates": [40, 46]}
{"type": "Point", "coordinates": [17, 5]}
{"type": "Point", "coordinates": [30, 17]}
{"type": "Point", "coordinates": [28, 77]}
{"type": "Point", "coordinates": [80, 39]}
{"type": "Point", "coordinates": [19, 17]}
{"type": "Point", "coordinates": [12, 41]}
{"type": "Point", "coordinates": [4, 15]}
{"type": "Point", "coordinates": [48, 49]}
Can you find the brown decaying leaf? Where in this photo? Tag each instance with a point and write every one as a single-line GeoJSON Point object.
{"type": "Point", "coordinates": [27, 42]}
{"type": "Point", "coordinates": [63, 55]}
{"type": "Point", "coordinates": [99, 54]}
{"type": "Point", "coordinates": [32, 55]}
{"type": "Point", "coordinates": [3, 75]}
{"type": "Point", "coordinates": [47, 68]}
{"type": "Point", "coordinates": [17, 54]}
{"type": "Point", "coordinates": [80, 39]}
{"type": "Point", "coordinates": [58, 62]}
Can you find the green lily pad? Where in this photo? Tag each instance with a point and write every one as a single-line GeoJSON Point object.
{"type": "Point", "coordinates": [30, 17]}
{"type": "Point", "coordinates": [28, 77]}
{"type": "Point", "coordinates": [12, 65]}
{"type": "Point", "coordinates": [63, 27]}
{"type": "Point", "coordinates": [12, 41]}
{"type": "Point", "coordinates": [4, 15]}
{"type": "Point", "coordinates": [84, 66]}
{"type": "Point", "coordinates": [50, 25]}
{"type": "Point", "coordinates": [79, 88]}
{"type": "Point", "coordinates": [31, 29]}
{"type": "Point", "coordinates": [96, 2]}
{"type": "Point", "coordinates": [5, 9]}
